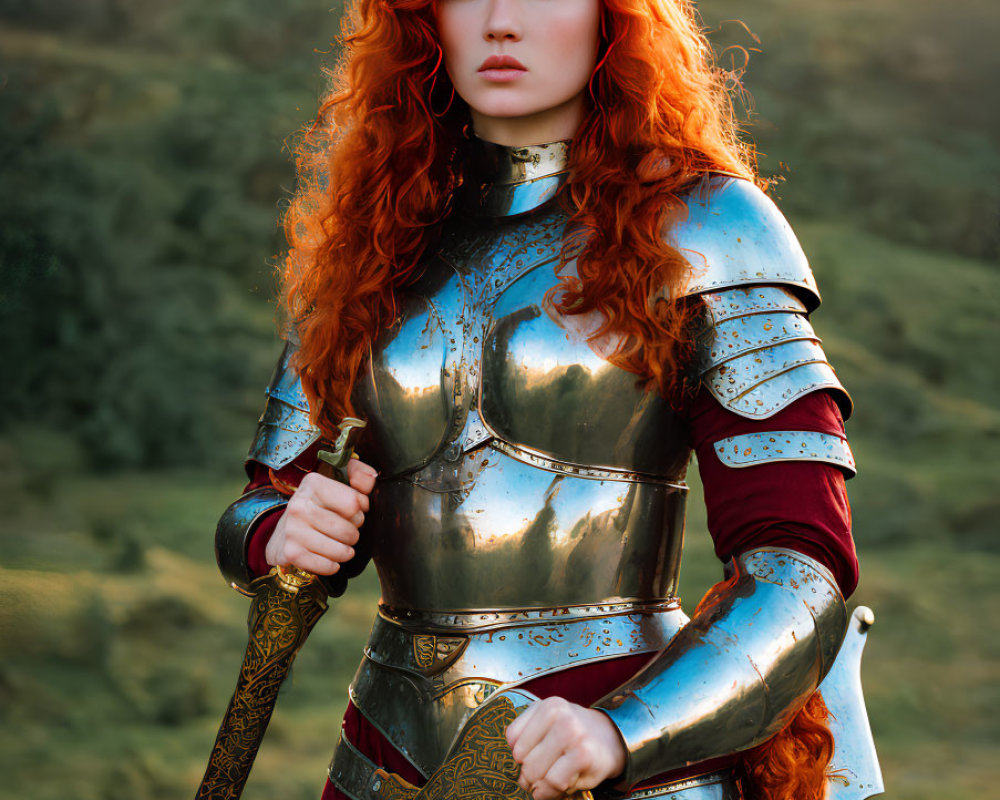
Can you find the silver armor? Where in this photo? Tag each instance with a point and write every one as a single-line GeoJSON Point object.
{"type": "Point", "coordinates": [232, 535]}
{"type": "Point", "coordinates": [738, 672]}
{"type": "Point", "coordinates": [529, 514]}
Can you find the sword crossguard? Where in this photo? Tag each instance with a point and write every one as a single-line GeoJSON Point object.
{"type": "Point", "coordinates": [333, 463]}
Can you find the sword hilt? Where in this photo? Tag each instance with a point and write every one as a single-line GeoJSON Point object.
{"type": "Point", "coordinates": [333, 463]}
{"type": "Point", "coordinates": [330, 464]}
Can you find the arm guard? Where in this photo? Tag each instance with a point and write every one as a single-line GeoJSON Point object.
{"type": "Point", "coordinates": [283, 433]}
{"type": "Point", "coordinates": [232, 535]}
{"type": "Point", "coordinates": [751, 656]}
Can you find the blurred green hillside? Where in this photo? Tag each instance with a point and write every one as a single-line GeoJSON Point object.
{"type": "Point", "coordinates": [142, 171]}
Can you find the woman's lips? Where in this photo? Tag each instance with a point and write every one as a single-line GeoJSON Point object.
{"type": "Point", "coordinates": [501, 69]}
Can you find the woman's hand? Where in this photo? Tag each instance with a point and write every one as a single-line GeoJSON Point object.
{"type": "Point", "coordinates": [564, 748]}
{"type": "Point", "coordinates": [319, 528]}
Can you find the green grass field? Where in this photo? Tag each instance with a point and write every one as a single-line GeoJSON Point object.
{"type": "Point", "coordinates": [143, 173]}
{"type": "Point", "coordinates": [121, 646]}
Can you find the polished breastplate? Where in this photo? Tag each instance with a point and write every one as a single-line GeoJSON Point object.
{"type": "Point", "coordinates": [529, 513]}
{"type": "Point", "coordinates": [519, 468]}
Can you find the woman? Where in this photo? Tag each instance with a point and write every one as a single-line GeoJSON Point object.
{"type": "Point", "coordinates": [528, 248]}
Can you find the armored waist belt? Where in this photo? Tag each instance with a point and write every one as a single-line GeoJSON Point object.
{"type": "Point", "coordinates": [424, 673]}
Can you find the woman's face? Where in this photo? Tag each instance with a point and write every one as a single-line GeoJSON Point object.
{"type": "Point", "coordinates": [521, 65]}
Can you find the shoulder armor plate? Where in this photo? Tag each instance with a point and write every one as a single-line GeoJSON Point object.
{"type": "Point", "coordinates": [734, 235]}
{"type": "Point", "coordinates": [761, 353]}
{"type": "Point", "coordinates": [764, 448]}
{"type": "Point", "coordinates": [284, 430]}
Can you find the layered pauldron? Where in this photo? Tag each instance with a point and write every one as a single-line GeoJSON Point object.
{"type": "Point", "coordinates": [760, 352]}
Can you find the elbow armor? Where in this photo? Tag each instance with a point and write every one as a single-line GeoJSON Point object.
{"type": "Point", "coordinates": [750, 658]}
{"type": "Point", "coordinates": [232, 535]}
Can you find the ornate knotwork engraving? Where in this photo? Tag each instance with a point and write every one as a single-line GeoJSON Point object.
{"type": "Point", "coordinates": [480, 765]}
{"type": "Point", "coordinates": [281, 617]}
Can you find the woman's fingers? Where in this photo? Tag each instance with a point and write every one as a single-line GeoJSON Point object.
{"type": "Point", "coordinates": [361, 476]}
{"type": "Point", "coordinates": [333, 525]}
{"type": "Point", "coordinates": [331, 495]}
{"type": "Point", "coordinates": [313, 563]}
{"type": "Point", "coordinates": [563, 747]}
{"type": "Point", "coordinates": [327, 547]}
{"type": "Point", "coordinates": [537, 766]}
{"type": "Point", "coordinates": [525, 732]}
{"type": "Point", "coordinates": [319, 528]}
{"type": "Point", "coordinates": [560, 779]}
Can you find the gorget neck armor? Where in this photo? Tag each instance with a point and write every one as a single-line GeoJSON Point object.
{"type": "Point", "coordinates": [501, 181]}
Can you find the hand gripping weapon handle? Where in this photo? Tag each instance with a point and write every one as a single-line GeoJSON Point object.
{"type": "Point", "coordinates": [286, 605]}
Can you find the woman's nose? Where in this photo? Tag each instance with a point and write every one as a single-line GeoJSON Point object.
{"type": "Point", "coordinates": [503, 21]}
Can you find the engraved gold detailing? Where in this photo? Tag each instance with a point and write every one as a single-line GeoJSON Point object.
{"type": "Point", "coordinates": [432, 653]}
{"type": "Point", "coordinates": [284, 610]}
{"type": "Point", "coordinates": [480, 765]}
{"type": "Point", "coordinates": [483, 619]}
{"type": "Point", "coordinates": [420, 710]}
{"type": "Point", "coordinates": [423, 651]}
{"type": "Point", "coordinates": [287, 604]}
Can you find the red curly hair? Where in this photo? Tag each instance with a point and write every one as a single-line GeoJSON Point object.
{"type": "Point", "coordinates": [378, 168]}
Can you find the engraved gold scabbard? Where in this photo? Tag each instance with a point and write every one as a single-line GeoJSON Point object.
{"type": "Point", "coordinates": [479, 766]}
{"type": "Point", "coordinates": [287, 604]}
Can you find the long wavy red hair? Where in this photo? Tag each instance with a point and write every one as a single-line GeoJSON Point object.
{"type": "Point", "coordinates": [378, 168]}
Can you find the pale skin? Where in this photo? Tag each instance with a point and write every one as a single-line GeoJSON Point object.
{"type": "Point", "coordinates": [561, 747]}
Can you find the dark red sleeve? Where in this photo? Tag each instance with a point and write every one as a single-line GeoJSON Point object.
{"type": "Point", "coordinates": [799, 505]}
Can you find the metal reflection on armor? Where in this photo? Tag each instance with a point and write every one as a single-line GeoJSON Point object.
{"type": "Point", "coordinates": [762, 448]}
{"type": "Point", "coordinates": [510, 181]}
{"type": "Point", "coordinates": [736, 674]}
{"type": "Point", "coordinates": [762, 353]}
{"type": "Point", "coordinates": [734, 235]}
{"type": "Point", "coordinates": [531, 496]}
{"type": "Point", "coordinates": [481, 763]}
{"type": "Point", "coordinates": [424, 674]}
{"type": "Point", "coordinates": [854, 772]}
{"type": "Point", "coordinates": [284, 430]}
{"type": "Point", "coordinates": [232, 535]}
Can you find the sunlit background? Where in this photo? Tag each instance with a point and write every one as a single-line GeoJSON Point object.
{"type": "Point", "coordinates": [142, 173]}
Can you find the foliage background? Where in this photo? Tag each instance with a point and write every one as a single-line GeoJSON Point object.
{"type": "Point", "coordinates": [142, 172]}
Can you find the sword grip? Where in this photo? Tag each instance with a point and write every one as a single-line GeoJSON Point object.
{"type": "Point", "coordinates": [333, 463]}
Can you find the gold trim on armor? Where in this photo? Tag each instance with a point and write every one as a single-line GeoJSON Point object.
{"type": "Point", "coordinates": [359, 778]}
{"type": "Point", "coordinates": [418, 689]}
{"type": "Point", "coordinates": [483, 619]}
{"type": "Point", "coordinates": [535, 458]}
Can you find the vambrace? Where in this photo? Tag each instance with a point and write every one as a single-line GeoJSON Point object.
{"type": "Point", "coordinates": [232, 535]}
{"type": "Point", "coordinates": [755, 650]}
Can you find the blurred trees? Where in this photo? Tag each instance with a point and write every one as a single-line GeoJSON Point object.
{"type": "Point", "coordinates": [142, 166]}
